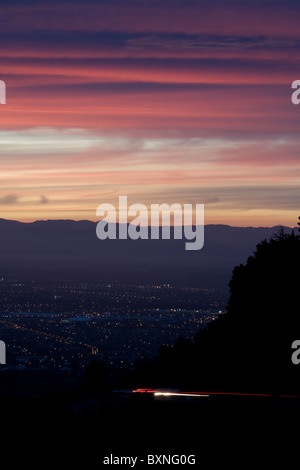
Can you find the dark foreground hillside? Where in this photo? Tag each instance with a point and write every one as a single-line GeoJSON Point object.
{"type": "Point", "coordinates": [76, 432]}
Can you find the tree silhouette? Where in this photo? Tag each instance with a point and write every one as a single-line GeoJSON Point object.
{"type": "Point", "coordinates": [263, 308]}
{"type": "Point", "coordinates": [97, 375]}
{"type": "Point", "coordinates": [249, 348]}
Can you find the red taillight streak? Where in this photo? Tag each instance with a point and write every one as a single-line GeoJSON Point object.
{"type": "Point", "coordinates": [149, 390]}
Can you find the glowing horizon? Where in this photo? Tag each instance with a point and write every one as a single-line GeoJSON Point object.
{"type": "Point", "coordinates": [174, 103]}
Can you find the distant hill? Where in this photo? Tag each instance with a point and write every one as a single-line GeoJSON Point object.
{"type": "Point", "coordinates": [65, 249]}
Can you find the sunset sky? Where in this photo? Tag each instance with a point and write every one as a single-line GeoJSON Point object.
{"type": "Point", "coordinates": [161, 100]}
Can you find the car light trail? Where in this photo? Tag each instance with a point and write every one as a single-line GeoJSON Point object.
{"type": "Point", "coordinates": [206, 394]}
{"type": "Point", "coordinates": [171, 393]}
{"type": "Point", "coordinates": [177, 394]}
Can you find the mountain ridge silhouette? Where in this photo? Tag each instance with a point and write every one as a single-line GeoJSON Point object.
{"type": "Point", "coordinates": [68, 249]}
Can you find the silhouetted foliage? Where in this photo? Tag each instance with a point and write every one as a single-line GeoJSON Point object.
{"type": "Point", "coordinates": [249, 347]}
{"type": "Point", "coordinates": [97, 375]}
